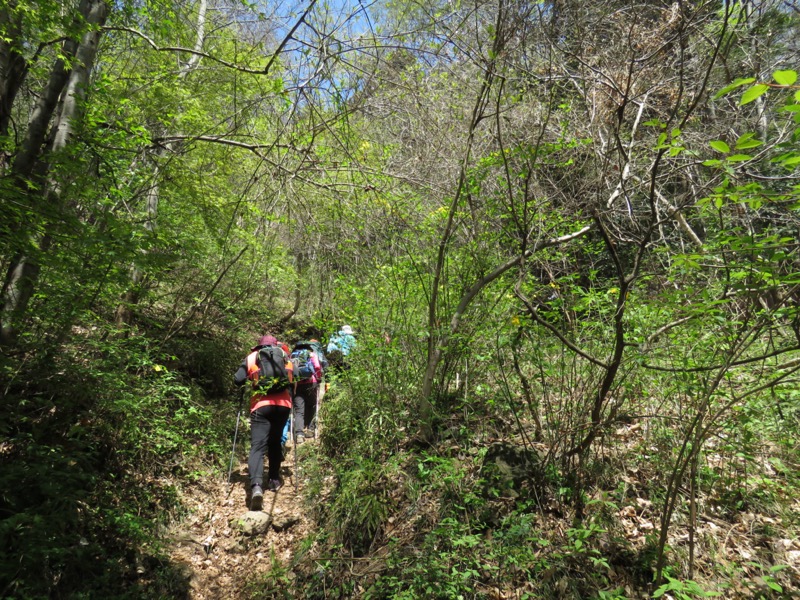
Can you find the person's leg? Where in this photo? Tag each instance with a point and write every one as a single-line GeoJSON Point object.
{"type": "Point", "coordinates": [285, 435]}
{"type": "Point", "coordinates": [310, 395]}
{"type": "Point", "coordinates": [259, 430]}
{"type": "Point", "coordinates": [299, 412]}
{"type": "Point", "coordinates": [278, 416]}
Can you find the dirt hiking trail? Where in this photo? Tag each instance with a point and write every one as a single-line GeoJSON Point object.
{"type": "Point", "coordinates": [218, 557]}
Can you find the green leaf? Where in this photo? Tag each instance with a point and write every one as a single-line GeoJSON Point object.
{"type": "Point", "coordinates": [739, 158]}
{"type": "Point", "coordinates": [774, 586]}
{"type": "Point", "coordinates": [733, 85]}
{"type": "Point", "coordinates": [712, 163]}
{"type": "Point", "coordinates": [747, 140]}
{"type": "Point", "coordinates": [748, 144]}
{"type": "Point", "coordinates": [720, 146]}
{"type": "Point", "coordinates": [661, 591]}
{"type": "Point", "coordinates": [754, 92]}
{"type": "Point", "coordinates": [776, 568]}
{"type": "Point", "coordinates": [790, 162]}
{"type": "Point", "coordinates": [785, 77]}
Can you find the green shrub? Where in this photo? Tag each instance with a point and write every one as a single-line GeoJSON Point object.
{"type": "Point", "coordinates": [94, 436]}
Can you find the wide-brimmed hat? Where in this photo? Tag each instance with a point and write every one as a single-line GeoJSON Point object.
{"type": "Point", "coordinates": [346, 330]}
{"type": "Point", "coordinates": [266, 340]}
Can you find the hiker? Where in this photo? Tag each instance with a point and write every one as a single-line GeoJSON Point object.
{"type": "Point", "coordinates": [310, 421]}
{"type": "Point", "coordinates": [285, 435]}
{"type": "Point", "coordinates": [340, 345]}
{"type": "Point", "coordinates": [308, 360]}
{"type": "Point", "coordinates": [270, 407]}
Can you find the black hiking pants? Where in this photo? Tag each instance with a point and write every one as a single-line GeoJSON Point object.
{"type": "Point", "coordinates": [305, 406]}
{"type": "Point", "coordinates": [266, 427]}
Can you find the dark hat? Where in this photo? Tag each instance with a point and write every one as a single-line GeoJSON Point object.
{"type": "Point", "coordinates": [266, 340]}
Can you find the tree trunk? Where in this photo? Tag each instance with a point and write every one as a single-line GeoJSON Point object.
{"type": "Point", "coordinates": [436, 343]}
{"type": "Point", "coordinates": [70, 86]}
{"type": "Point", "coordinates": [123, 314]}
{"type": "Point", "coordinates": [13, 69]}
{"type": "Point", "coordinates": [31, 146]}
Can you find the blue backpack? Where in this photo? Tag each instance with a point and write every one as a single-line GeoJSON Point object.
{"type": "Point", "coordinates": [316, 347]}
{"type": "Point", "coordinates": [302, 363]}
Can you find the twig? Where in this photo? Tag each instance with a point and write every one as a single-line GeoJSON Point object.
{"type": "Point", "coordinates": [198, 53]}
{"type": "Point", "coordinates": [197, 305]}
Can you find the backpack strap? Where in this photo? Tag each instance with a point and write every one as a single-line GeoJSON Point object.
{"type": "Point", "coordinates": [252, 366]}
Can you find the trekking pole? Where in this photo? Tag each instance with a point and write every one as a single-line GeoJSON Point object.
{"type": "Point", "coordinates": [320, 392]}
{"type": "Point", "coordinates": [296, 467]}
{"type": "Point", "coordinates": [235, 434]}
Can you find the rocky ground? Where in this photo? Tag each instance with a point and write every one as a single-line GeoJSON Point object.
{"type": "Point", "coordinates": [222, 545]}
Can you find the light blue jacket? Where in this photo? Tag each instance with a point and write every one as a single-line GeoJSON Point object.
{"type": "Point", "coordinates": [343, 342]}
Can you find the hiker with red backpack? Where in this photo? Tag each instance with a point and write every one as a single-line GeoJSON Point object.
{"type": "Point", "coordinates": [270, 373]}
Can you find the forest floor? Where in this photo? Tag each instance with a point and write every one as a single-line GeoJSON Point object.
{"type": "Point", "coordinates": [735, 550]}
{"type": "Point", "coordinates": [218, 559]}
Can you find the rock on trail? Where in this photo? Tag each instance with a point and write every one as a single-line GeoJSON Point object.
{"type": "Point", "coordinates": [222, 545]}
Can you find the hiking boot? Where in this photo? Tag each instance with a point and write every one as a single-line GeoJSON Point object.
{"type": "Point", "coordinates": [273, 485]}
{"type": "Point", "coordinates": [310, 434]}
{"type": "Point", "coordinates": [256, 497]}
{"type": "Point", "coordinates": [299, 439]}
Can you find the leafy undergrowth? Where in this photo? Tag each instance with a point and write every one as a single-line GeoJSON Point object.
{"type": "Point", "coordinates": [440, 525]}
{"type": "Point", "coordinates": [487, 515]}
{"type": "Point", "coordinates": [98, 438]}
{"type": "Point", "coordinates": [114, 486]}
